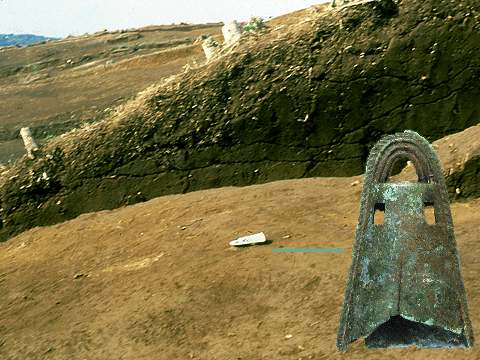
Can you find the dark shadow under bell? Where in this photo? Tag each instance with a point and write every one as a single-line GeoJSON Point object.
{"type": "Point", "coordinates": [400, 332]}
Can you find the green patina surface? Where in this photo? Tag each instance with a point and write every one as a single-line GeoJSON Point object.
{"type": "Point", "coordinates": [405, 285]}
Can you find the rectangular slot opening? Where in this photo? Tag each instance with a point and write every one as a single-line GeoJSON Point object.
{"type": "Point", "coordinates": [379, 214]}
{"type": "Point", "coordinates": [429, 213]}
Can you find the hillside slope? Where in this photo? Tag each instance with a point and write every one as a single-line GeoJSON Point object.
{"type": "Point", "coordinates": [301, 101]}
{"type": "Point", "coordinates": [56, 86]}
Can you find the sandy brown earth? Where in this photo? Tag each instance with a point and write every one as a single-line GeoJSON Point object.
{"type": "Point", "coordinates": [158, 280]}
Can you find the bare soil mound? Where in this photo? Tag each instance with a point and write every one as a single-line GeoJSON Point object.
{"type": "Point", "coordinates": [301, 101]}
{"type": "Point", "coordinates": [459, 155]}
{"type": "Point", "coordinates": [158, 280]}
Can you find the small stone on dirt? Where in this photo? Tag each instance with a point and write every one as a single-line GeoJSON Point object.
{"type": "Point", "coordinates": [78, 276]}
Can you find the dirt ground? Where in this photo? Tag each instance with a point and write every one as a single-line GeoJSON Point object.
{"type": "Point", "coordinates": [158, 280]}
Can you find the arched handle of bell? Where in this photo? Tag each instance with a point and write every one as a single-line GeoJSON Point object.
{"type": "Point", "coordinates": [407, 145]}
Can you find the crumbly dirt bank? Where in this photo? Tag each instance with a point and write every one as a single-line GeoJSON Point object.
{"type": "Point", "coordinates": [301, 101]}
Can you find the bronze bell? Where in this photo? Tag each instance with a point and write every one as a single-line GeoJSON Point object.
{"type": "Point", "coordinates": [405, 285]}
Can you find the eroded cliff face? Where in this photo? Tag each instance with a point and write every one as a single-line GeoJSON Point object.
{"type": "Point", "coordinates": [300, 101]}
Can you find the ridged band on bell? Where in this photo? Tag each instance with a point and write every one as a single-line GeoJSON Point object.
{"type": "Point", "coordinates": [405, 285]}
{"type": "Point", "coordinates": [408, 145]}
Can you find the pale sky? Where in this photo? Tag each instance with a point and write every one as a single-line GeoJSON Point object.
{"type": "Point", "coordinates": [60, 18]}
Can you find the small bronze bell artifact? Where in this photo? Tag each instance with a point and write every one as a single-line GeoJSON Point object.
{"type": "Point", "coordinates": [405, 286]}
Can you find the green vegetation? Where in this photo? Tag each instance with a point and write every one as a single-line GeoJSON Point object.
{"type": "Point", "coordinates": [192, 63]}
{"type": "Point", "coordinates": [148, 45]}
{"type": "Point", "coordinates": [255, 23]}
{"type": "Point", "coordinates": [195, 61]}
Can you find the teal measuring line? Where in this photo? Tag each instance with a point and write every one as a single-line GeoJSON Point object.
{"type": "Point", "coordinates": [307, 250]}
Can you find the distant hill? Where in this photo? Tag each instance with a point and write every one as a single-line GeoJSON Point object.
{"type": "Point", "coordinates": [23, 39]}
